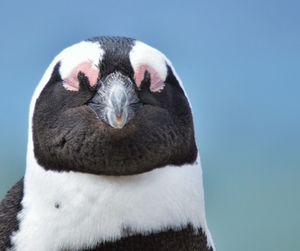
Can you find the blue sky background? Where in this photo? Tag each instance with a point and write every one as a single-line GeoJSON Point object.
{"type": "Point", "coordinates": [240, 63]}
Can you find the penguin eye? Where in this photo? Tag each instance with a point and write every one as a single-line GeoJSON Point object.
{"type": "Point", "coordinates": [91, 71]}
{"type": "Point", "coordinates": [157, 83]}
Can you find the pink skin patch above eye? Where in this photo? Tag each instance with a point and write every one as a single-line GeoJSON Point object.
{"type": "Point", "coordinates": [157, 84]}
{"type": "Point", "coordinates": [91, 71]}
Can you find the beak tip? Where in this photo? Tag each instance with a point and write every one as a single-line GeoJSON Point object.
{"type": "Point", "coordinates": [118, 122]}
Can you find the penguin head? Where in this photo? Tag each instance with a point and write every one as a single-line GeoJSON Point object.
{"type": "Point", "coordinates": [110, 106]}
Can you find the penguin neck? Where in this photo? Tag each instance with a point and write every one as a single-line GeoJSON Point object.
{"type": "Point", "coordinates": [101, 207]}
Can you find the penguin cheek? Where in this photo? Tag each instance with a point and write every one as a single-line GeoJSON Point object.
{"type": "Point", "coordinates": [157, 83]}
{"type": "Point", "coordinates": [91, 71]}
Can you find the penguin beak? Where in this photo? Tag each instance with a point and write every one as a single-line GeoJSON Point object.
{"type": "Point", "coordinates": [117, 109]}
{"type": "Point", "coordinates": [115, 101]}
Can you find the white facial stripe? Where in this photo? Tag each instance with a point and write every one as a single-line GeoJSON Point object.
{"type": "Point", "coordinates": [142, 53]}
{"type": "Point", "coordinates": [79, 53]}
{"type": "Point", "coordinates": [92, 209]}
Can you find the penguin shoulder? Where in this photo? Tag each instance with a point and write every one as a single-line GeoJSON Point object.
{"type": "Point", "coordinates": [9, 208]}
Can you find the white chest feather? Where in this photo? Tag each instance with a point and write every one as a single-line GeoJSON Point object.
{"type": "Point", "coordinates": [73, 210]}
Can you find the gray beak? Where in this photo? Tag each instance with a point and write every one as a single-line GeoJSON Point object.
{"type": "Point", "coordinates": [116, 101]}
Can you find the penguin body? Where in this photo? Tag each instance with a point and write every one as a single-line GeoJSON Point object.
{"type": "Point", "coordinates": [112, 161]}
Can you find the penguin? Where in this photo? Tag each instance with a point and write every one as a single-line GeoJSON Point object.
{"type": "Point", "coordinates": [112, 162]}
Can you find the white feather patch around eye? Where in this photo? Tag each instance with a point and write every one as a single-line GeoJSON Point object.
{"type": "Point", "coordinates": [157, 84]}
{"type": "Point", "coordinates": [90, 70]}
{"type": "Point", "coordinates": [145, 58]}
